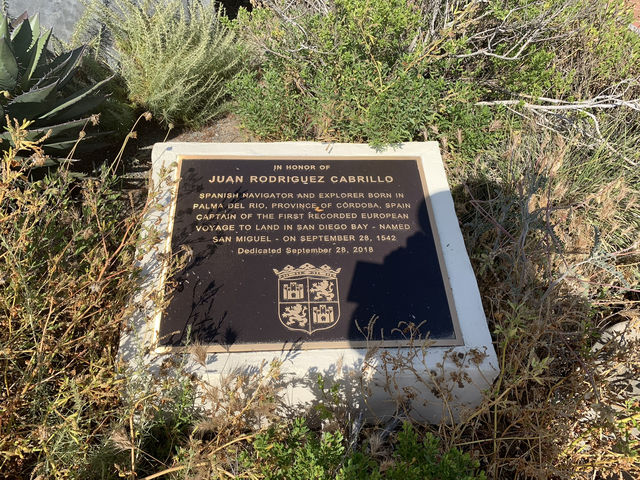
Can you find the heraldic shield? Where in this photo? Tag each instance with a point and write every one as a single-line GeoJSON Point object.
{"type": "Point", "coordinates": [308, 299]}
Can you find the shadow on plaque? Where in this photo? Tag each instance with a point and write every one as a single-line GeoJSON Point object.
{"type": "Point", "coordinates": [404, 297]}
{"type": "Point", "coordinates": [192, 308]}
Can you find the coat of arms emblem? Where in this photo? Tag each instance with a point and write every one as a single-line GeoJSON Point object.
{"type": "Point", "coordinates": [308, 298]}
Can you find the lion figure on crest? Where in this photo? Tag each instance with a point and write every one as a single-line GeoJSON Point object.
{"type": "Point", "coordinates": [296, 314]}
{"type": "Point", "coordinates": [323, 289]}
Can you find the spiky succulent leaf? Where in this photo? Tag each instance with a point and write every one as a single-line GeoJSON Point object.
{"type": "Point", "coordinates": [60, 68]}
{"type": "Point", "coordinates": [8, 66]}
{"type": "Point", "coordinates": [32, 103]}
{"type": "Point", "coordinates": [34, 23]}
{"type": "Point", "coordinates": [46, 68]}
{"type": "Point", "coordinates": [4, 27]}
{"type": "Point", "coordinates": [60, 129]}
{"type": "Point", "coordinates": [36, 54]}
{"type": "Point", "coordinates": [34, 79]}
{"type": "Point", "coordinates": [64, 130]}
{"type": "Point", "coordinates": [63, 145]}
{"type": "Point", "coordinates": [80, 107]}
{"type": "Point", "coordinates": [71, 100]}
{"type": "Point", "coordinates": [21, 39]}
{"type": "Point", "coordinates": [70, 66]}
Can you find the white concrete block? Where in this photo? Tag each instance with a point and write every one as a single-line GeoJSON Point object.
{"type": "Point", "coordinates": [433, 382]}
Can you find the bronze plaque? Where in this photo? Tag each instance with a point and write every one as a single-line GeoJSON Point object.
{"type": "Point", "coordinates": [311, 252]}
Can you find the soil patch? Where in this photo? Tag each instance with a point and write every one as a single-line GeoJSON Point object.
{"type": "Point", "coordinates": [225, 130]}
{"type": "Point", "coordinates": [636, 13]}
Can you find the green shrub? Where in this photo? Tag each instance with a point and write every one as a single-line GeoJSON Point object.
{"type": "Point", "coordinates": [565, 49]}
{"type": "Point", "coordinates": [390, 71]}
{"type": "Point", "coordinates": [361, 72]}
{"type": "Point", "coordinates": [414, 459]}
{"type": "Point", "coordinates": [39, 87]}
{"type": "Point", "coordinates": [174, 60]}
{"type": "Point", "coordinates": [295, 452]}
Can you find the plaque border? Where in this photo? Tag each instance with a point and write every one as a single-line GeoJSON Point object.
{"type": "Point", "coordinates": [310, 344]}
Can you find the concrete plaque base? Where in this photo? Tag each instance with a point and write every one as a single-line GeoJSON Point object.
{"type": "Point", "coordinates": [308, 270]}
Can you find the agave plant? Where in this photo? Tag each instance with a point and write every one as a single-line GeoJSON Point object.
{"type": "Point", "coordinates": [33, 81]}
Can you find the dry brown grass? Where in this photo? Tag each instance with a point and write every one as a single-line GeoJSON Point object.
{"type": "Point", "coordinates": [555, 247]}
{"type": "Point", "coordinates": [66, 250]}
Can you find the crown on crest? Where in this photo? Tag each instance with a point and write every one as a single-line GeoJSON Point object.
{"type": "Point", "coordinates": [307, 270]}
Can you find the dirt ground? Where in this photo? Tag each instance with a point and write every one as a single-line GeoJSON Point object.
{"type": "Point", "coordinates": [636, 11]}
{"type": "Point", "coordinates": [225, 130]}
